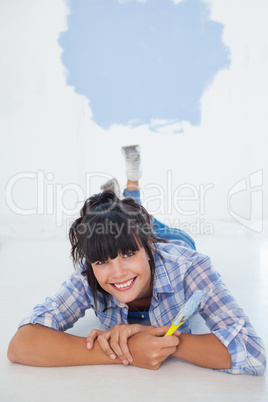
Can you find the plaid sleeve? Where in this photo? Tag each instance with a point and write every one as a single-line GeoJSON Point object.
{"type": "Point", "coordinates": [63, 309]}
{"type": "Point", "coordinates": [225, 319]}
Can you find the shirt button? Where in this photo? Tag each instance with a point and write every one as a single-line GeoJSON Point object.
{"type": "Point", "coordinates": [54, 304]}
{"type": "Point", "coordinates": [241, 322]}
{"type": "Point", "coordinates": [154, 323]}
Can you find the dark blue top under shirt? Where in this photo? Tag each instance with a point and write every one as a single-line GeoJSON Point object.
{"type": "Point", "coordinates": [139, 317]}
{"type": "Point", "coordinates": [138, 314]}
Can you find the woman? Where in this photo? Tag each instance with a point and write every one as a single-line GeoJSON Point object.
{"type": "Point", "coordinates": [129, 271]}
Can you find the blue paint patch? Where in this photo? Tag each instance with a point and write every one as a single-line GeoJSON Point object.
{"type": "Point", "coordinates": [141, 61]}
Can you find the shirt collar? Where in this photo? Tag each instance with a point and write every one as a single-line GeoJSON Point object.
{"type": "Point", "coordinates": [113, 302]}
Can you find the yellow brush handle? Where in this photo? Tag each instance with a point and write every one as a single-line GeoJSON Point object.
{"type": "Point", "coordinates": [173, 328]}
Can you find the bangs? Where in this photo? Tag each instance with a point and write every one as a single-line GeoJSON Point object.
{"type": "Point", "coordinates": [111, 236]}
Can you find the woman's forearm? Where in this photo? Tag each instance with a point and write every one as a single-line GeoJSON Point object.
{"type": "Point", "coordinates": [36, 345]}
{"type": "Point", "coordinates": [204, 350]}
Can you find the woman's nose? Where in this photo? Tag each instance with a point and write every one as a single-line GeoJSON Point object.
{"type": "Point", "coordinates": [118, 267]}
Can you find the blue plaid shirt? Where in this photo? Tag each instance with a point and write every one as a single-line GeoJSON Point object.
{"type": "Point", "coordinates": [179, 272]}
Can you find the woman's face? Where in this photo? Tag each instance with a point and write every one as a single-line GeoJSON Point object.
{"type": "Point", "coordinates": [127, 277]}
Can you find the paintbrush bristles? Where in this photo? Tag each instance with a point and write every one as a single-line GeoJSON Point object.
{"type": "Point", "coordinates": [189, 307]}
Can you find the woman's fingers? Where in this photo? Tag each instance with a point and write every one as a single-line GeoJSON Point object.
{"type": "Point", "coordinates": [125, 349]}
{"type": "Point", "coordinates": [111, 343]}
{"type": "Point", "coordinates": [163, 346]}
{"type": "Point", "coordinates": [119, 340]}
{"type": "Point", "coordinates": [103, 340]}
{"type": "Point", "coordinates": [161, 331]}
{"type": "Point", "coordinates": [92, 336]}
{"type": "Point", "coordinates": [116, 346]}
{"type": "Point", "coordinates": [119, 345]}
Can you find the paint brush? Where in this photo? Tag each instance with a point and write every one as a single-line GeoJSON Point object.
{"type": "Point", "coordinates": [188, 309]}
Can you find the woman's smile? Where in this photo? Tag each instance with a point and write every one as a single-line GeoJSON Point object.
{"type": "Point", "coordinates": [123, 286]}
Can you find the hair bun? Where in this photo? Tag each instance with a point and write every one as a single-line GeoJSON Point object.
{"type": "Point", "coordinates": [106, 197]}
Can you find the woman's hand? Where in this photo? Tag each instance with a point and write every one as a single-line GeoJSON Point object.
{"type": "Point", "coordinates": [114, 341]}
{"type": "Point", "coordinates": [150, 348]}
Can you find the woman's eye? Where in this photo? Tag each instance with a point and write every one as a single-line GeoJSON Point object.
{"type": "Point", "coordinates": [129, 254]}
{"type": "Point", "coordinates": [101, 262]}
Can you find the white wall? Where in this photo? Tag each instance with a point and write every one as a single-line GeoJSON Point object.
{"type": "Point", "coordinates": [46, 127]}
{"type": "Point", "coordinates": [39, 112]}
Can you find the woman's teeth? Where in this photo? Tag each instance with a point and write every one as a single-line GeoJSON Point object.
{"type": "Point", "coordinates": [124, 285]}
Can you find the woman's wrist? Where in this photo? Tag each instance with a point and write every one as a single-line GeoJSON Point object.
{"type": "Point", "coordinates": [205, 350]}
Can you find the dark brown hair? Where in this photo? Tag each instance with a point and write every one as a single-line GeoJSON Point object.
{"type": "Point", "coordinates": [107, 227]}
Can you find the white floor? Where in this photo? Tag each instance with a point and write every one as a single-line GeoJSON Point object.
{"type": "Point", "coordinates": [34, 269]}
